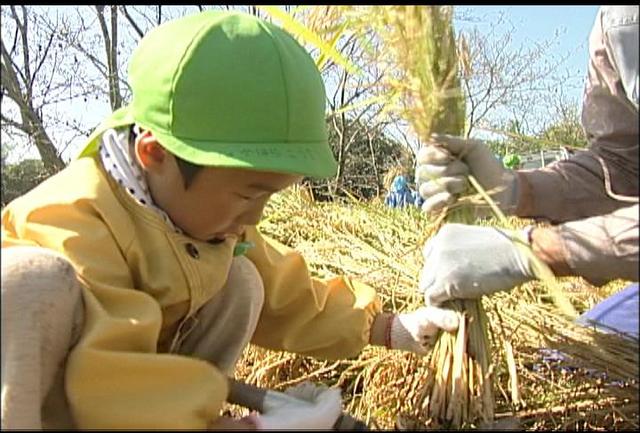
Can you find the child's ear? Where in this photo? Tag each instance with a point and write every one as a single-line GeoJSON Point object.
{"type": "Point", "coordinates": [149, 152]}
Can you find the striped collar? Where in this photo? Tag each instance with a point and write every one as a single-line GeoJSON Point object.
{"type": "Point", "coordinates": [121, 166]}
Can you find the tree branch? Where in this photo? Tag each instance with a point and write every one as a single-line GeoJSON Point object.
{"type": "Point", "coordinates": [115, 80]}
{"type": "Point", "coordinates": [44, 56]}
{"type": "Point", "coordinates": [112, 75]}
{"type": "Point", "coordinates": [131, 21]}
{"type": "Point", "coordinates": [21, 126]}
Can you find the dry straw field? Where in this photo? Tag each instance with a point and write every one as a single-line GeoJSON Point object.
{"type": "Point", "coordinates": [594, 387]}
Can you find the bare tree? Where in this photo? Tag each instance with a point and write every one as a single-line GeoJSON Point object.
{"type": "Point", "coordinates": [54, 59]}
{"type": "Point", "coordinates": [496, 76]}
{"type": "Point", "coordinates": [133, 22]}
{"type": "Point", "coordinates": [21, 69]}
{"type": "Point", "coordinates": [111, 50]}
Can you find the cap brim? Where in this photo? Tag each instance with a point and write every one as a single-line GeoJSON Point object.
{"type": "Point", "coordinates": [313, 159]}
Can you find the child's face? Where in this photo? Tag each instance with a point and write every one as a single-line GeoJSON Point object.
{"type": "Point", "coordinates": [218, 203]}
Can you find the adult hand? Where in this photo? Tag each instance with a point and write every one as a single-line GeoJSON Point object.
{"type": "Point", "coordinates": [442, 167]}
{"type": "Point", "coordinates": [466, 262]}
{"type": "Point", "coordinates": [416, 331]}
{"type": "Point", "coordinates": [305, 406]}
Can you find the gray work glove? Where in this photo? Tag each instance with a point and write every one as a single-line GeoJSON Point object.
{"type": "Point", "coordinates": [441, 177]}
{"type": "Point", "coordinates": [466, 262]}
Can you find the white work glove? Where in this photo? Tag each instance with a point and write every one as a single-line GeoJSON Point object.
{"type": "Point", "coordinates": [416, 331]}
{"type": "Point", "coordinates": [466, 262]}
{"type": "Point", "coordinates": [306, 406]}
{"type": "Point", "coordinates": [442, 167]}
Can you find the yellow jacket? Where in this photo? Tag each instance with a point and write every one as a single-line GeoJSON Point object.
{"type": "Point", "coordinates": [140, 282]}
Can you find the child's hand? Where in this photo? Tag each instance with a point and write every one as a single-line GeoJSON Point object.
{"type": "Point", "coordinates": [416, 331]}
{"type": "Point", "coordinates": [305, 406]}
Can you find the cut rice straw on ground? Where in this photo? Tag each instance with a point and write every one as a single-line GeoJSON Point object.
{"type": "Point", "coordinates": [386, 388]}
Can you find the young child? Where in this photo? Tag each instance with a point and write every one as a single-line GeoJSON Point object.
{"type": "Point", "coordinates": [133, 279]}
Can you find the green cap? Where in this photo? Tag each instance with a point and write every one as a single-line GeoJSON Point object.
{"type": "Point", "coordinates": [228, 89]}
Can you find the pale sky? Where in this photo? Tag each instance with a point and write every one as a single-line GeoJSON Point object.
{"type": "Point", "coordinates": [539, 23]}
{"type": "Point", "coordinates": [568, 27]}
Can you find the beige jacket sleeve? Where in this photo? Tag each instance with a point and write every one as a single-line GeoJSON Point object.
{"type": "Point", "coordinates": [597, 189]}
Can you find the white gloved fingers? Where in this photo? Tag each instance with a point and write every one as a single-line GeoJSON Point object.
{"type": "Point", "coordinates": [435, 155]}
{"type": "Point", "coordinates": [428, 341]}
{"type": "Point", "coordinates": [430, 320]}
{"type": "Point", "coordinates": [427, 172]}
{"type": "Point", "coordinates": [417, 331]}
{"type": "Point", "coordinates": [327, 407]}
{"type": "Point", "coordinates": [430, 283]}
{"type": "Point", "coordinates": [426, 326]}
{"type": "Point", "coordinates": [450, 184]}
{"type": "Point", "coordinates": [442, 318]}
{"type": "Point", "coordinates": [468, 262]}
{"type": "Point", "coordinates": [426, 285]}
{"type": "Point", "coordinates": [420, 349]}
{"type": "Point", "coordinates": [329, 401]}
{"type": "Point", "coordinates": [275, 400]}
{"type": "Point", "coordinates": [437, 289]}
{"type": "Point", "coordinates": [295, 413]}
{"type": "Point", "coordinates": [427, 250]}
{"type": "Point", "coordinates": [480, 161]}
{"type": "Point", "coordinates": [426, 273]}
{"type": "Point", "coordinates": [438, 201]}
{"type": "Point", "coordinates": [456, 168]}
{"type": "Point", "coordinates": [432, 187]}
{"type": "Point", "coordinates": [454, 144]}
{"type": "Point", "coordinates": [456, 184]}
{"type": "Point", "coordinates": [434, 297]}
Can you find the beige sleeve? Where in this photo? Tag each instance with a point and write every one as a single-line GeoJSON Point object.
{"type": "Point", "coordinates": [574, 189]}
{"type": "Point", "coordinates": [603, 248]}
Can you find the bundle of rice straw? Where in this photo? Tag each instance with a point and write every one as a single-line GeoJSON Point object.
{"type": "Point", "coordinates": [417, 50]}
{"type": "Point", "coordinates": [420, 43]}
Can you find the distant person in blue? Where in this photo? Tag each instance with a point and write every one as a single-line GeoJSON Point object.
{"type": "Point", "coordinates": [401, 195]}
